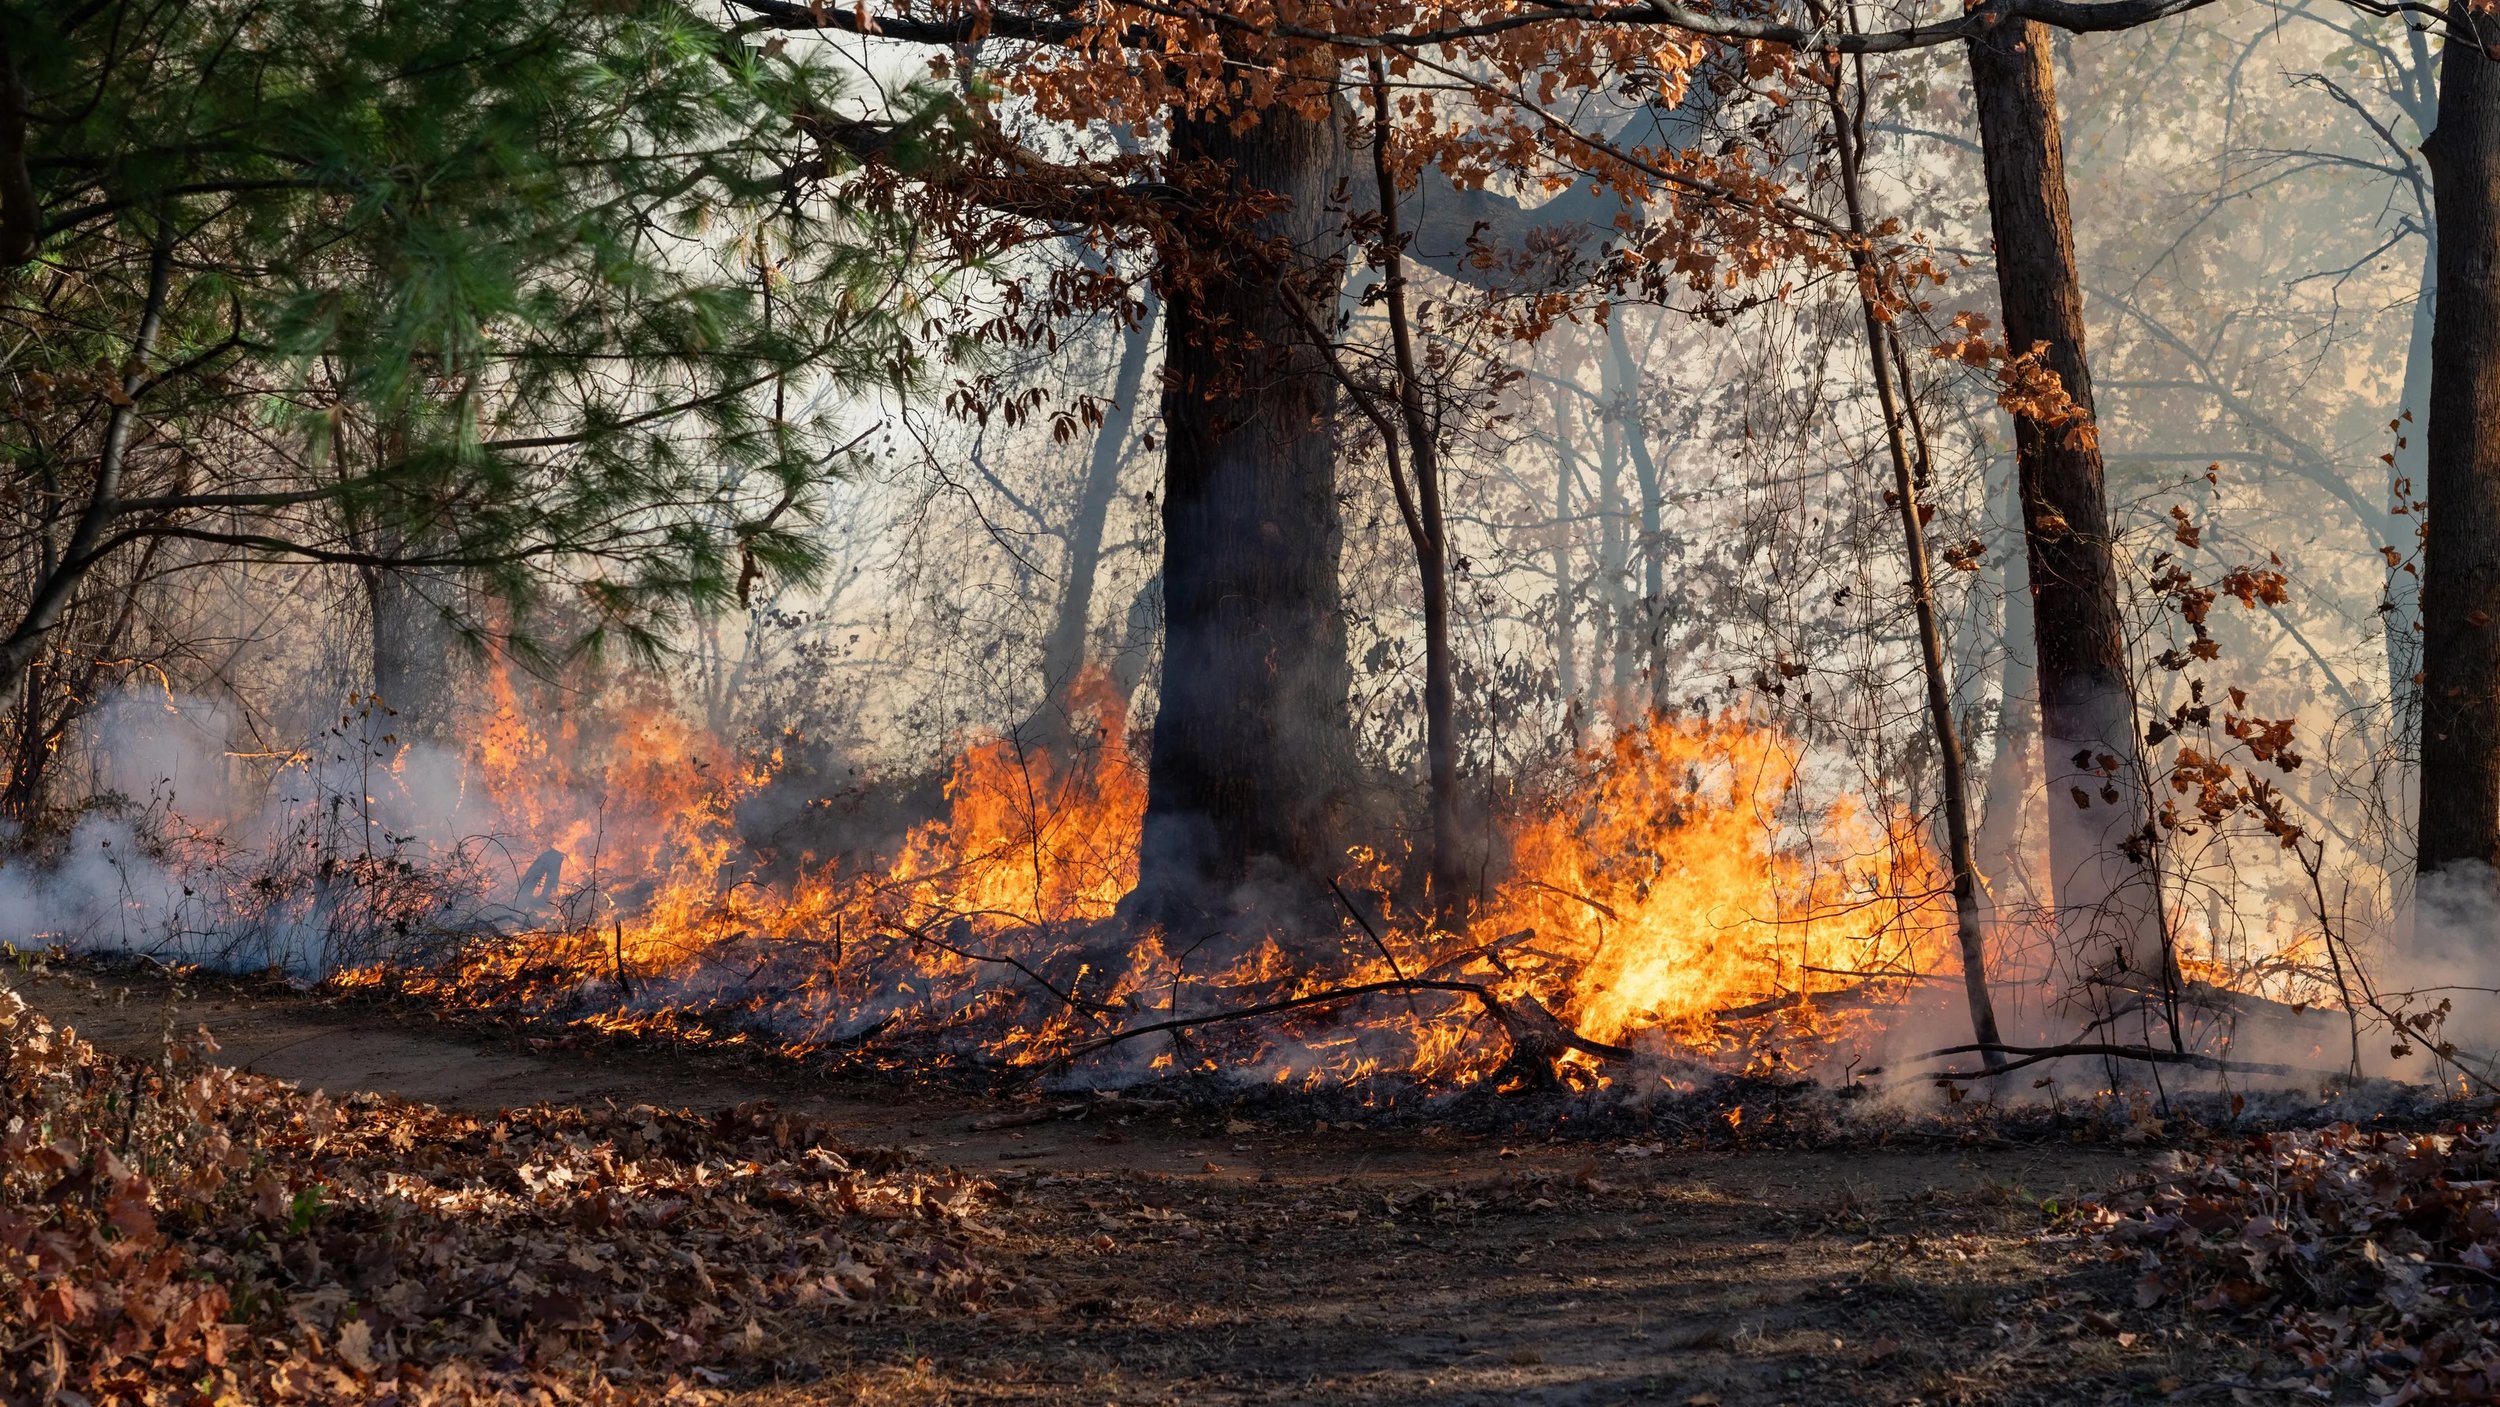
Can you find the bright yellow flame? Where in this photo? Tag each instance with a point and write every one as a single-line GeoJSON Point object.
{"type": "Point", "coordinates": [1682, 882]}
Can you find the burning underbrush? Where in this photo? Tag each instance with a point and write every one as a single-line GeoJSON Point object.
{"type": "Point", "coordinates": [175, 1232]}
{"type": "Point", "coordinates": [1690, 901]}
{"type": "Point", "coordinates": [1683, 901]}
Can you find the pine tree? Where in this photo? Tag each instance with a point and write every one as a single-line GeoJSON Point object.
{"type": "Point", "coordinates": [518, 295]}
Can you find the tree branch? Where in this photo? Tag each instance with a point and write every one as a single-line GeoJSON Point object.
{"type": "Point", "coordinates": [52, 595]}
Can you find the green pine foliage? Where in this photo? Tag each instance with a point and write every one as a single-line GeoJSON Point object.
{"type": "Point", "coordinates": [532, 294]}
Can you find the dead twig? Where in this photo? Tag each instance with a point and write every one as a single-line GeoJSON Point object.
{"type": "Point", "coordinates": [1373, 934]}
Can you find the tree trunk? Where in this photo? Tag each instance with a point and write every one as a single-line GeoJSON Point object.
{"type": "Point", "coordinates": [1610, 674]}
{"type": "Point", "coordinates": [2408, 479]}
{"type": "Point", "coordinates": [50, 596]}
{"type": "Point", "coordinates": [2104, 886]}
{"type": "Point", "coordinates": [1252, 748]}
{"type": "Point", "coordinates": [1969, 914]}
{"type": "Point", "coordinates": [413, 653]}
{"type": "Point", "coordinates": [1064, 649]}
{"type": "Point", "coordinates": [1427, 529]}
{"type": "Point", "coordinates": [2001, 848]}
{"type": "Point", "coordinates": [2459, 825]}
{"type": "Point", "coordinates": [1623, 401]}
{"type": "Point", "coordinates": [1566, 592]}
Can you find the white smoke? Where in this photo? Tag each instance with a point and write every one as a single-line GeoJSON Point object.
{"type": "Point", "coordinates": [202, 847]}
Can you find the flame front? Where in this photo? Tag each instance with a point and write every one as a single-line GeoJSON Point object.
{"type": "Point", "coordinates": [1683, 880]}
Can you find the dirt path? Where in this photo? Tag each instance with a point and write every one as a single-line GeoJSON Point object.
{"type": "Point", "coordinates": [1204, 1260]}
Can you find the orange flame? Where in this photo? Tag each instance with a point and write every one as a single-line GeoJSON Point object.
{"type": "Point", "coordinates": [1686, 876]}
{"type": "Point", "coordinates": [1685, 880]}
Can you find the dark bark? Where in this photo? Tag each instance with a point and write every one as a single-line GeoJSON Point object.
{"type": "Point", "coordinates": [2459, 821]}
{"type": "Point", "coordinates": [1427, 531]}
{"type": "Point", "coordinates": [1251, 754]}
{"type": "Point", "coordinates": [2104, 889]}
{"type": "Point", "coordinates": [414, 669]}
{"type": "Point", "coordinates": [2408, 480]}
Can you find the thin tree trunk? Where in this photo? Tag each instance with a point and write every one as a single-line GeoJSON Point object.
{"type": "Point", "coordinates": [51, 596]}
{"type": "Point", "coordinates": [1623, 401]}
{"type": "Point", "coordinates": [2014, 765]}
{"type": "Point", "coordinates": [2105, 888]}
{"type": "Point", "coordinates": [1251, 754]}
{"type": "Point", "coordinates": [1064, 648]}
{"type": "Point", "coordinates": [31, 751]}
{"type": "Point", "coordinates": [2459, 821]}
{"type": "Point", "coordinates": [1969, 913]}
{"type": "Point", "coordinates": [1426, 528]}
{"type": "Point", "coordinates": [2409, 478]}
{"type": "Point", "coordinates": [1613, 668]}
{"type": "Point", "coordinates": [52, 700]}
{"type": "Point", "coordinates": [1566, 614]}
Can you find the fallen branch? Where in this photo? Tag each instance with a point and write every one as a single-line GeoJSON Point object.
{"type": "Point", "coordinates": [1374, 934]}
{"type": "Point", "coordinates": [1523, 1019]}
{"type": "Point", "coordinates": [2151, 1055]}
{"type": "Point", "coordinates": [1842, 997]}
{"type": "Point", "coordinates": [2206, 996]}
{"type": "Point", "coordinates": [1487, 952]}
{"type": "Point", "coordinates": [1912, 979]}
{"type": "Point", "coordinates": [1068, 998]}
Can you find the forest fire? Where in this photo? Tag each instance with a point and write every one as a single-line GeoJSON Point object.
{"type": "Point", "coordinates": [1684, 899]}
{"type": "Point", "coordinates": [1651, 702]}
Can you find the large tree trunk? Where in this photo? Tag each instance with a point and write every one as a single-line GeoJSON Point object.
{"type": "Point", "coordinates": [2460, 776]}
{"type": "Point", "coordinates": [2104, 888]}
{"type": "Point", "coordinates": [1252, 749]}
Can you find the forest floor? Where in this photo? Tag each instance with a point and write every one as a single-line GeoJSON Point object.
{"type": "Point", "coordinates": [1194, 1257]}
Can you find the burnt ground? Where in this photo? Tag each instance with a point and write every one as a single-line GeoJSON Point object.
{"type": "Point", "coordinates": [1185, 1256]}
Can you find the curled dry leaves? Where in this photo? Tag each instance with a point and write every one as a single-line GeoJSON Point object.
{"type": "Point", "coordinates": [2374, 1255]}
{"type": "Point", "coordinates": [176, 1232]}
